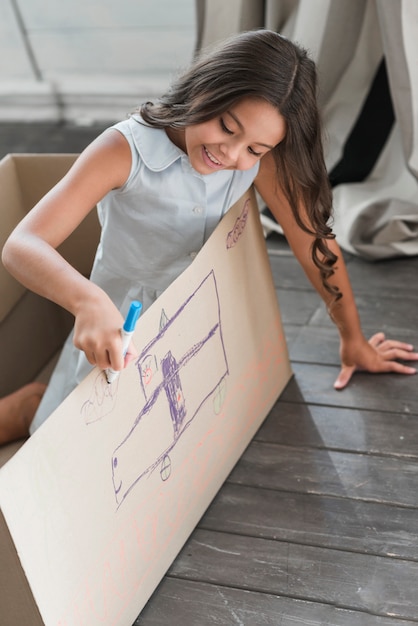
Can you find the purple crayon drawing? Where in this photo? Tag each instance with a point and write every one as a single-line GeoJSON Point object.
{"type": "Point", "coordinates": [179, 370]}
{"type": "Point", "coordinates": [238, 229]}
{"type": "Point", "coordinates": [174, 393]}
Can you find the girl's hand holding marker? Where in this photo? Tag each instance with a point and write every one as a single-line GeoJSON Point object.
{"type": "Point", "coordinates": [127, 331]}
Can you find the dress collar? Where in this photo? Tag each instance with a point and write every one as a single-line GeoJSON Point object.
{"type": "Point", "coordinates": [157, 151]}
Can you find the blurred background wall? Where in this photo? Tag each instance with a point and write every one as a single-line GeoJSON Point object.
{"type": "Point", "coordinates": [88, 60]}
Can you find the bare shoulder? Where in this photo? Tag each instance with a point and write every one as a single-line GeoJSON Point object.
{"type": "Point", "coordinates": [108, 156]}
{"type": "Point", "coordinates": [267, 166]}
{"type": "Point", "coordinates": [266, 181]}
{"type": "Point", "coordinates": [104, 165]}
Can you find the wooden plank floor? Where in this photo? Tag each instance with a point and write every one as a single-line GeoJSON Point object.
{"type": "Point", "coordinates": [318, 521]}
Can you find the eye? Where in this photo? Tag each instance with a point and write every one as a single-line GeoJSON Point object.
{"type": "Point", "coordinates": [225, 127]}
{"type": "Point", "coordinates": [253, 152]}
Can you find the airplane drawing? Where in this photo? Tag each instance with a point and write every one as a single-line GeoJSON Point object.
{"type": "Point", "coordinates": [170, 369]}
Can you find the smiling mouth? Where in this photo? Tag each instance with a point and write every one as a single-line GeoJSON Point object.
{"type": "Point", "coordinates": [211, 157]}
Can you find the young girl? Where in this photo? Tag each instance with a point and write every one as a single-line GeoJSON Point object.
{"type": "Point", "coordinates": [244, 113]}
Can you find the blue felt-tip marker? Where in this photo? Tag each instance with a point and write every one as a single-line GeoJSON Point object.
{"type": "Point", "coordinates": [127, 331]}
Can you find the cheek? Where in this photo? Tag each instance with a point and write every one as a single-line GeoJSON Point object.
{"type": "Point", "coordinates": [204, 133]}
{"type": "Point", "coordinates": [246, 165]}
{"type": "Point", "coordinates": [246, 161]}
{"type": "Point", "coordinates": [193, 138]}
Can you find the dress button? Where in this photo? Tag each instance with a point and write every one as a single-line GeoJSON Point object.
{"type": "Point", "coordinates": [193, 255]}
{"type": "Point", "coordinates": [198, 210]}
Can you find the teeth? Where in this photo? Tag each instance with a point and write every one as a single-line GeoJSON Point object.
{"type": "Point", "coordinates": [212, 158]}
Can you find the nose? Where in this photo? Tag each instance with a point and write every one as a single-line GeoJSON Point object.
{"type": "Point", "coordinates": [237, 156]}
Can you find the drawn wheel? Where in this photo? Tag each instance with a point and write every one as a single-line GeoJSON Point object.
{"type": "Point", "coordinates": [219, 396]}
{"type": "Point", "coordinates": [165, 471]}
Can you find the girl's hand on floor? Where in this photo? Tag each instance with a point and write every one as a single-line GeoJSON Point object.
{"type": "Point", "coordinates": [377, 355]}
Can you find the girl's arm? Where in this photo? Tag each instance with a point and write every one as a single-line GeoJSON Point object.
{"type": "Point", "coordinates": [30, 253]}
{"type": "Point", "coordinates": [375, 355]}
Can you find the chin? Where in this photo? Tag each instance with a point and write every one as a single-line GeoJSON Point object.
{"type": "Point", "coordinates": [202, 168]}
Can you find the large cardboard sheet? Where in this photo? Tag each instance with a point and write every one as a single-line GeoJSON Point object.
{"type": "Point", "coordinates": [102, 497]}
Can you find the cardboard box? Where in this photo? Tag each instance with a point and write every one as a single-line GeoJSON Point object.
{"type": "Point", "coordinates": [32, 329]}
{"type": "Point", "coordinates": [87, 531]}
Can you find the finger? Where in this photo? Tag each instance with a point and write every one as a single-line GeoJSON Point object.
{"type": "Point", "coordinates": [116, 360]}
{"type": "Point", "coordinates": [344, 377]}
{"type": "Point", "coordinates": [392, 353]}
{"type": "Point", "coordinates": [131, 354]}
{"type": "Point", "coordinates": [398, 368]}
{"type": "Point", "coordinates": [104, 360]}
{"type": "Point", "coordinates": [393, 343]}
{"type": "Point", "coordinates": [119, 360]}
{"type": "Point", "coordinates": [115, 352]}
{"type": "Point", "coordinates": [381, 344]}
{"type": "Point", "coordinates": [376, 339]}
{"type": "Point", "coordinates": [91, 357]}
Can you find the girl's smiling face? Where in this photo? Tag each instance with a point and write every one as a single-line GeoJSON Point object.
{"type": "Point", "coordinates": [234, 140]}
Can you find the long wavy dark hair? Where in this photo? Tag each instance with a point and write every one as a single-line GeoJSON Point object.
{"type": "Point", "coordinates": [265, 65]}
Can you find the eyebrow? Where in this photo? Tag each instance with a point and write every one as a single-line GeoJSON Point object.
{"type": "Point", "coordinates": [257, 143]}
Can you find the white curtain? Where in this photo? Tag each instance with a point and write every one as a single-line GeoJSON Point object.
{"type": "Point", "coordinates": [367, 57]}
